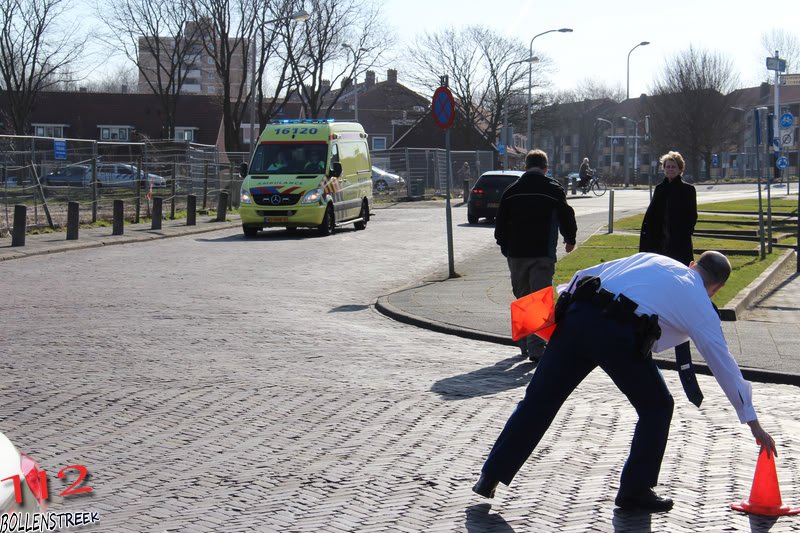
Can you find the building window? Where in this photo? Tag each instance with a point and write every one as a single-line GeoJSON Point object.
{"type": "Point", "coordinates": [49, 131]}
{"type": "Point", "coordinates": [379, 143]}
{"type": "Point", "coordinates": [212, 89]}
{"type": "Point", "coordinates": [210, 60]}
{"type": "Point", "coordinates": [184, 134]}
{"type": "Point", "coordinates": [114, 133]}
{"type": "Point", "coordinates": [211, 75]}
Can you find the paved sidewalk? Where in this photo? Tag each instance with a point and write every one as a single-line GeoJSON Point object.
{"type": "Point", "coordinates": [764, 339]}
{"type": "Point", "coordinates": [54, 242]}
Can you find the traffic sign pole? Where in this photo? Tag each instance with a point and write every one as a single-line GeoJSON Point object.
{"type": "Point", "coordinates": [443, 108]}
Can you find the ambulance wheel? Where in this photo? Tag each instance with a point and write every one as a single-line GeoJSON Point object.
{"type": "Point", "coordinates": [363, 215]}
{"type": "Point", "coordinates": [328, 222]}
{"type": "Point", "coordinates": [249, 232]}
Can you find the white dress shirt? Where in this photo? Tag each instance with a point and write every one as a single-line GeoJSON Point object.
{"type": "Point", "coordinates": [675, 293]}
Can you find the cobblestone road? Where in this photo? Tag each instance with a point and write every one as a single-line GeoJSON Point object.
{"type": "Point", "coordinates": [214, 383]}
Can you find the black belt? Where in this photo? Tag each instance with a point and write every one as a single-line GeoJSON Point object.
{"type": "Point", "coordinates": [621, 308]}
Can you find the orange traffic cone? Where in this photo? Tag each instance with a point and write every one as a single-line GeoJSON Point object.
{"type": "Point", "coordinates": [534, 313]}
{"type": "Point", "coordinates": [765, 495]}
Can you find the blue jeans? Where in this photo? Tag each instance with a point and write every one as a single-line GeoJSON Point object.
{"type": "Point", "coordinates": [583, 340]}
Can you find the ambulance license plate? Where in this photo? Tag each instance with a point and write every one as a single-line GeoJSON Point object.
{"type": "Point", "coordinates": [276, 220]}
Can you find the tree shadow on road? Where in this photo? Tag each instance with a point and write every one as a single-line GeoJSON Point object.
{"type": "Point", "coordinates": [506, 374]}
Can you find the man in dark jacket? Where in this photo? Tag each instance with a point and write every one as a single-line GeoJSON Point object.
{"type": "Point", "coordinates": [532, 212]}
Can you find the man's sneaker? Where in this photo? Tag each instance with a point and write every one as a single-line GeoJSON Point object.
{"type": "Point", "coordinates": [647, 501]}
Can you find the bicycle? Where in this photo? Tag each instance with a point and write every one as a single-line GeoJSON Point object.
{"type": "Point", "coordinates": [595, 184]}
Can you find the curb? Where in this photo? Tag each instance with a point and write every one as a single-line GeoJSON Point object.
{"type": "Point", "coordinates": [132, 235]}
{"type": "Point", "coordinates": [756, 375]}
{"type": "Point", "coordinates": [746, 296]}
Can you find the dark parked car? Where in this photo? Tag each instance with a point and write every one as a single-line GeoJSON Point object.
{"type": "Point", "coordinates": [484, 198]}
{"type": "Point", "coordinates": [71, 176]}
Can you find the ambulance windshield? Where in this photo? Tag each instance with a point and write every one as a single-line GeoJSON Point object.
{"type": "Point", "coordinates": [290, 158]}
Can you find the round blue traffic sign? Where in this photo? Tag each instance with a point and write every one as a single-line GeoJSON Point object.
{"type": "Point", "coordinates": [787, 119]}
{"type": "Point", "coordinates": [782, 163]}
{"type": "Point", "coordinates": [443, 108]}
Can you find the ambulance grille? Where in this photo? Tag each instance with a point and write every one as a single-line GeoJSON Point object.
{"type": "Point", "coordinates": [272, 199]}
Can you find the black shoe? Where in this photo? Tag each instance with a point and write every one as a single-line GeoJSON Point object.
{"type": "Point", "coordinates": [485, 487]}
{"type": "Point", "coordinates": [647, 500]}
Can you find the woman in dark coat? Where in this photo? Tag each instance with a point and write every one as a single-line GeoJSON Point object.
{"type": "Point", "coordinates": [669, 223]}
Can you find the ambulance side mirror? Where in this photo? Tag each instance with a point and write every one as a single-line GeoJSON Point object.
{"type": "Point", "coordinates": [243, 170]}
{"type": "Point", "coordinates": [336, 169]}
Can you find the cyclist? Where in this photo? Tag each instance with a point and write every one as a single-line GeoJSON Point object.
{"type": "Point", "coordinates": [585, 173]}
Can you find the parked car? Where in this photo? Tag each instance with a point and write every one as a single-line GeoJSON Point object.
{"type": "Point", "coordinates": [383, 181]}
{"type": "Point", "coordinates": [69, 176]}
{"type": "Point", "coordinates": [30, 489]}
{"type": "Point", "coordinates": [124, 175]}
{"type": "Point", "coordinates": [484, 198]}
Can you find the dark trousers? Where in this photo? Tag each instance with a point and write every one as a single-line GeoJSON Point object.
{"type": "Point", "coordinates": [583, 340]}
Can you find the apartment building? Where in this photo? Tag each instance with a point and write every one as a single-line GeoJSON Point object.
{"type": "Point", "coordinates": [199, 65]}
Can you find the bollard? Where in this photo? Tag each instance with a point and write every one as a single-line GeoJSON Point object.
{"type": "Point", "coordinates": [20, 225]}
{"type": "Point", "coordinates": [191, 210]}
{"type": "Point", "coordinates": [73, 220]}
{"type": "Point", "coordinates": [157, 202]}
{"type": "Point", "coordinates": [574, 183]}
{"type": "Point", "coordinates": [466, 190]}
{"type": "Point", "coordinates": [611, 211]}
{"type": "Point", "coordinates": [119, 218]}
{"type": "Point", "coordinates": [222, 206]}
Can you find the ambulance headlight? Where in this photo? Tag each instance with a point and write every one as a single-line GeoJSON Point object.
{"type": "Point", "coordinates": [246, 198]}
{"type": "Point", "coordinates": [312, 197]}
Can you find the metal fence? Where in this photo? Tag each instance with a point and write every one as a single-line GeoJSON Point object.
{"type": "Point", "coordinates": [182, 169]}
{"type": "Point", "coordinates": [425, 169]}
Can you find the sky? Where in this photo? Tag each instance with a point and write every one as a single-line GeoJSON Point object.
{"type": "Point", "coordinates": [603, 33]}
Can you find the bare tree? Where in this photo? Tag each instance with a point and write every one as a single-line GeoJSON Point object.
{"type": "Point", "coordinates": [123, 79]}
{"type": "Point", "coordinates": [274, 29]}
{"type": "Point", "coordinates": [161, 39]}
{"type": "Point", "coordinates": [487, 74]}
{"type": "Point", "coordinates": [228, 34]}
{"type": "Point", "coordinates": [588, 89]}
{"type": "Point", "coordinates": [502, 97]}
{"type": "Point", "coordinates": [35, 54]}
{"type": "Point", "coordinates": [316, 56]}
{"type": "Point", "coordinates": [787, 44]}
{"type": "Point", "coordinates": [690, 107]}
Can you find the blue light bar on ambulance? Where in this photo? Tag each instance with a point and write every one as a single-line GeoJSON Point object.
{"type": "Point", "coordinates": [303, 121]}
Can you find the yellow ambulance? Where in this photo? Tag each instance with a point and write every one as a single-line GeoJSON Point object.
{"type": "Point", "coordinates": [307, 173]}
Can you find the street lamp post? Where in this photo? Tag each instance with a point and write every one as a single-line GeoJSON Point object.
{"type": "Point", "coordinates": [529, 60]}
{"type": "Point", "coordinates": [355, 77]}
{"type": "Point", "coordinates": [530, 81]}
{"type": "Point", "coordinates": [628, 84]}
{"type": "Point", "coordinates": [635, 146]}
{"type": "Point", "coordinates": [611, 161]}
{"type": "Point", "coordinates": [299, 16]}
